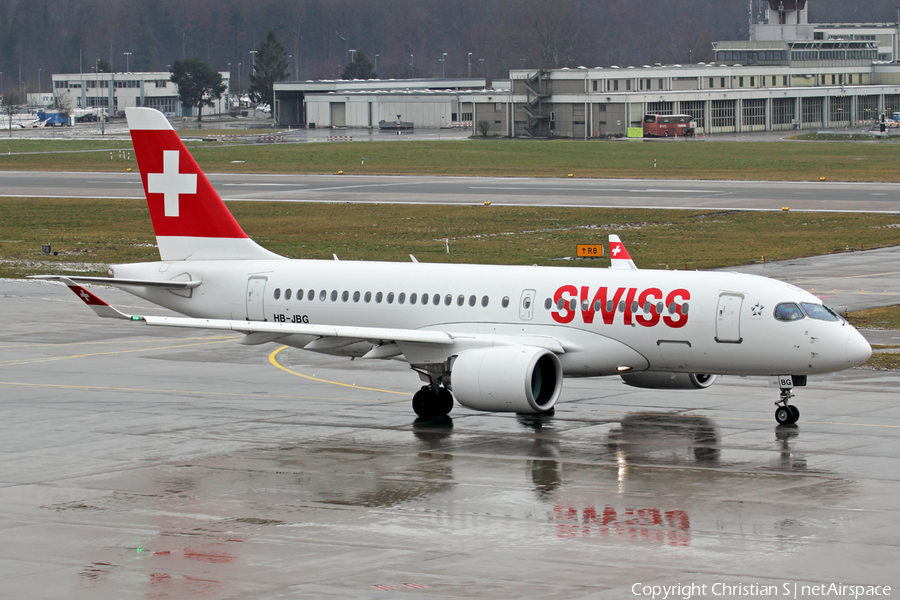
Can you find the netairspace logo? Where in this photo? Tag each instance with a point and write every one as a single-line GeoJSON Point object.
{"type": "Point", "coordinates": [785, 590]}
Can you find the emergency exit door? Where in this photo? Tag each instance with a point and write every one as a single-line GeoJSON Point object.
{"type": "Point", "coordinates": [256, 289]}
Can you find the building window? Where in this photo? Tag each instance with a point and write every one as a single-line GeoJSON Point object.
{"type": "Point", "coordinates": [660, 82]}
{"type": "Point", "coordinates": [628, 85]}
{"type": "Point", "coordinates": [740, 82]}
{"type": "Point", "coordinates": [721, 82]}
{"type": "Point", "coordinates": [595, 85]}
{"type": "Point", "coordinates": [712, 82]}
{"type": "Point", "coordinates": [753, 82]}
{"type": "Point", "coordinates": [616, 85]}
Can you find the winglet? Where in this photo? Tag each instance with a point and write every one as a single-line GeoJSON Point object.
{"type": "Point", "coordinates": [618, 255]}
{"type": "Point", "coordinates": [97, 304]}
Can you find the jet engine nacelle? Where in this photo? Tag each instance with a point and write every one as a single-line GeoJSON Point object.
{"type": "Point", "coordinates": [520, 379]}
{"type": "Point", "coordinates": [656, 380]}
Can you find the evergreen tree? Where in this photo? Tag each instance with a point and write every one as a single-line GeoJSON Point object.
{"type": "Point", "coordinates": [270, 66]}
{"type": "Point", "coordinates": [360, 68]}
{"type": "Point", "coordinates": [198, 84]}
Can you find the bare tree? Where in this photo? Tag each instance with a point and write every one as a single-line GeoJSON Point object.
{"type": "Point", "coordinates": [12, 102]}
{"type": "Point", "coordinates": [549, 32]}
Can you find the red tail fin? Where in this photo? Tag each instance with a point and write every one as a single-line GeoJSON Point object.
{"type": "Point", "coordinates": [189, 218]}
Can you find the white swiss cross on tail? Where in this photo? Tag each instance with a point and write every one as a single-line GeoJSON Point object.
{"type": "Point", "coordinates": [170, 183]}
{"type": "Point", "coordinates": [619, 257]}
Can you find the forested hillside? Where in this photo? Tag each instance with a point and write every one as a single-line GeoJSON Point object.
{"type": "Point", "coordinates": [409, 36]}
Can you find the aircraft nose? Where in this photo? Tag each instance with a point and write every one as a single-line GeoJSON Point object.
{"type": "Point", "coordinates": [858, 349]}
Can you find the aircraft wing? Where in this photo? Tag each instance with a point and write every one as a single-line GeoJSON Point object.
{"type": "Point", "coordinates": [261, 332]}
{"type": "Point", "coordinates": [285, 329]}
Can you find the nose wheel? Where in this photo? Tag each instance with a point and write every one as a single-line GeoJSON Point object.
{"type": "Point", "coordinates": [786, 414]}
{"type": "Point", "coordinates": [432, 401]}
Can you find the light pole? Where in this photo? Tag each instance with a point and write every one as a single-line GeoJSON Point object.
{"type": "Point", "coordinates": [127, 57]}
{"type": "Point", "coordinates": [412, 68]}
{"type": "Point", "coordinates": [252, 66]}
{"type": "Point", "coordinates": [376, 65]}
{"type": "Point", "coordinates": [443, 66]}
{"type": "Point", "coordinates": [352, 54]}
{"type": "Point", "coordinates": [39, 85]}
{"type": "Point", "coordinates": [470, 65]}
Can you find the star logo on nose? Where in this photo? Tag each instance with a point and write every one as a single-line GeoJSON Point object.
{"type": "Point", "coordinates": [757, 309]}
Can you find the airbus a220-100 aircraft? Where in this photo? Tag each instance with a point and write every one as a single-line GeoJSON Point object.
{"type": "Point", "coordinates": [495, 338]}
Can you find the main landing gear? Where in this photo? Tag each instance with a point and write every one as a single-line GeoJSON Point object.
{"type": "Point", "coordinates": [786, 414]}
{"type": "Point", "coordinates": [433, 401]}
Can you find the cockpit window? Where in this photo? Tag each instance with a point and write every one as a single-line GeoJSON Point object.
{"type": "Point", "coordinates": [818, 311]}
{"type": "Point", "coordinates": [788, 311]}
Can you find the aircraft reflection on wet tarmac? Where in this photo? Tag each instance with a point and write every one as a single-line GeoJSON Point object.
{"type": "Point", "coordinates": [621, 487]}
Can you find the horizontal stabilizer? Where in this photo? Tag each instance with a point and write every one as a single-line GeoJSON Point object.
{"type": "Point", "coordinates": [116, 282]}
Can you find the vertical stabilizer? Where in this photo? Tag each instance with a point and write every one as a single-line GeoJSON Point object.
{"type": "Point", "coordinates": [189, 218]}
{"type": "Point", "coordinates": [618, 255]}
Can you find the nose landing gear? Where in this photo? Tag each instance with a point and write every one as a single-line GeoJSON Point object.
{"type": "Point", "coordinates": [786, 414]}
{"type": "Point", "coordinates": [433, 401]}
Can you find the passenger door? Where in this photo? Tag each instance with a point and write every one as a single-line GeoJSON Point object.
{"type": "Point", "coordinates": [728, 318]}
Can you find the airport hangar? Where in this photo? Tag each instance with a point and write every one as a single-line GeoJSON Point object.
{"type": "Point", "coordinates": [790, 75]}
{"type": "Point", "coordinates": [729, 97]}
{"type": "Point", "coordinates": [363, 103]}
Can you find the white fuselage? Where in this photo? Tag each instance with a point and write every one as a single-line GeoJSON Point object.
{"type": "Point", "coordinates": [606, 320]}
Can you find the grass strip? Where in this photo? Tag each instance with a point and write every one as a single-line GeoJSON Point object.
{"type": "Point", "coordinates": [769, 161]}
{"type": "Point", "coordinates": [90, 234]}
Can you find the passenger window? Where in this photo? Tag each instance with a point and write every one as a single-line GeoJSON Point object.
{"type": "Point", "coordinates": [548, 304]}
{"type": "Point", "coordinates": [472, 300]}
{"type": "Point", "coordinates": [287, 294]}
{"type": "Point", "coordinates": [277, 293]}
{"type": "Point", "coordinates": [448, 300]}
{"type": "Point", "coordinates": [788, 311]}
{"type": "Point", "coordinates": [368, 297]}
{"type": "Point", "coordinates": [334, 295]}
{"type": "Point", "coordinates": [484, 301]}
{"type": "Point", "coordinates": [436, 299]}
{"type": "Point", "coordinates": [311, 295]}
{"type": "Point", "coordinates": [323, 295]}
{"type": "Point", "coordinates": [390, 297]}
{"type": "Point", "coordinates": [424, 298]}
{"type": "Point", "coordinates": [820, 312]}
{"type": "Point", "coordinates": [505, 302]}
{"type": "Point", "coordinates": [460, 300]}
{"type": "Point", "coordinates": [412, 298]}
{"type": "Point", "coordinates": [299, 295]}
{"type": "Point", "coordinates": [379, 296]}
{"type": "Point", "coordinates": [356, 297]}
{"type": "Point", "coordinates": [345, 296]}
{"type": "Point", "coordinates": [401, 299]}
